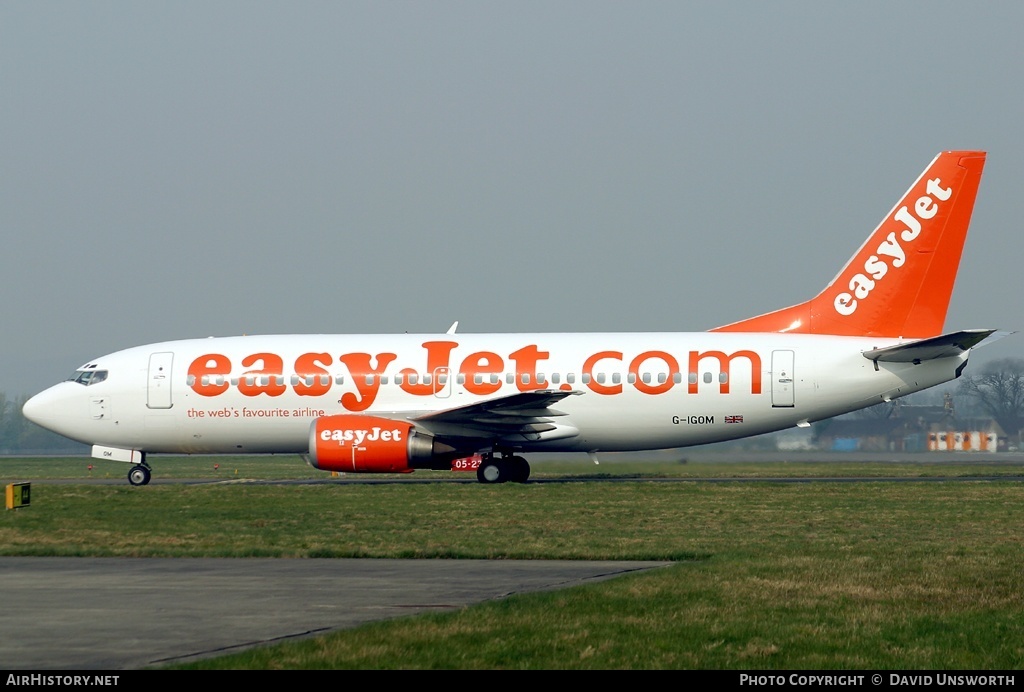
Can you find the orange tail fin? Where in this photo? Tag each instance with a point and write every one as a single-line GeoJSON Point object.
{"type": "Point", "coordinates": [899, 282]}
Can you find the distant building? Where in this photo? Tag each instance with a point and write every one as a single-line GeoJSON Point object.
{"type": "Point", "coordinates": [912, 429]}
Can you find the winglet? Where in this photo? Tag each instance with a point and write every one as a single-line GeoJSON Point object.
{"type": "Point", "coordinates": [898, 284]}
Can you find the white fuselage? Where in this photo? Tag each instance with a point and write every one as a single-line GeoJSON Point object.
{"type": "Point", "coordinates": [260, 394]}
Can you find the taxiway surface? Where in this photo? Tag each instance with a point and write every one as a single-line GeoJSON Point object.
{"type": "Point", "coordinates": [130, 613]}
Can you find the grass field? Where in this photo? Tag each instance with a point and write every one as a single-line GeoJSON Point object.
{"type": "Point", "coordinates": [707, 465]}
{"type": "Point", "coordinates": [768, 575]}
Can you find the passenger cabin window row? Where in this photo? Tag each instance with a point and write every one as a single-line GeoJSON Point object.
{"type": "Point", "coordinates": [93, 376]}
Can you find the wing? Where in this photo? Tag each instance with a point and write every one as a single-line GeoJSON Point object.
{"type": "Point", "coordinates": [516, 418]}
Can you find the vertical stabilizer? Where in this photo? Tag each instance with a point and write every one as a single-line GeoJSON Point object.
{"type": "Point", "coordinates": [898, 284]}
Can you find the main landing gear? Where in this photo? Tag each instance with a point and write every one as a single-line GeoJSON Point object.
{"type": "Point", "coordinates": [139, 474]}
{"type": "Point", "coordinates": [503, 469]}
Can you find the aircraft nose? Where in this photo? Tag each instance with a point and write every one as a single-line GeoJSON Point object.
{"type": "Point", "coordinates": [66, 410]}
{"type": "Point", "coordinates": [35, 409]}
{"type": "Point", "coordinates": [47, 408]}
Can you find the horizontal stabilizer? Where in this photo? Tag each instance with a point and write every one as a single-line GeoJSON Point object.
{"type": "Point", "coordinates": [945, 346]}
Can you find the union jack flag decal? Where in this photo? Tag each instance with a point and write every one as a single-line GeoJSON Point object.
{"type": "Point", "coordinates": [734, 419]}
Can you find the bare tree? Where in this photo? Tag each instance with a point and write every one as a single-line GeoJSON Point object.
{"type": "Point", "coordinates": [999, 392]}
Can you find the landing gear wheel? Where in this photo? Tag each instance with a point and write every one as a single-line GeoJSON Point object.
{"type": "Point", "coordinates": [492, 470]}
{"type": "Point", "coordinates": [139, 475]}
{"type": "Point", "coordinates": [519, 470]}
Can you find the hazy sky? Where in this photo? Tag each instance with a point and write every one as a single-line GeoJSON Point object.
{"type": "Point", "coordinates": [186, 169]}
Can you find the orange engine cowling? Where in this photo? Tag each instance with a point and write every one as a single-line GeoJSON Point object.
{"type": "Point", "coordinates": [368, 444]}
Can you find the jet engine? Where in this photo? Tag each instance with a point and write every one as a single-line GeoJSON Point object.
{"type": "Point", "coordinates": [367, 444]}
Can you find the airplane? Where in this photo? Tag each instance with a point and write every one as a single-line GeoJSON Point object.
{"type": "Point", "coordinates": [453, 401]}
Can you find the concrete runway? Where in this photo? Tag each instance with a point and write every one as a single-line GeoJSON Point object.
{"type": "Point", "coordinates": [129, 613]}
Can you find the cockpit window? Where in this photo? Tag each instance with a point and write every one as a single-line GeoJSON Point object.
{"type": "Point", "coordinates": [88, 377]}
